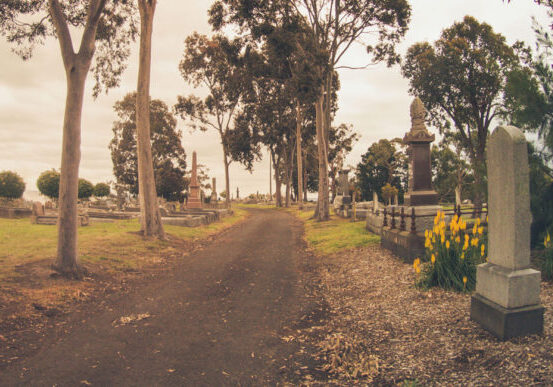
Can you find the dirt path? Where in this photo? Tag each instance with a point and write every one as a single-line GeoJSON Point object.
{"type": "Point", "coordinates": [216, 319]}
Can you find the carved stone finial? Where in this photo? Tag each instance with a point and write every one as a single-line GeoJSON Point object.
{"type": "Point", "coordinates": [418, 114]}
{"type": "Point", "coordinates": [418, 132]}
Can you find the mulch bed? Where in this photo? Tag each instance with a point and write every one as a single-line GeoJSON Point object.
{"type": "Point", "coordinates": [382, 330]}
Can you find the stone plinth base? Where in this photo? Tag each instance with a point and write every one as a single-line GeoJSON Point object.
{"type": "Point", "coordinates": [405, 245]}
{"type": "Point", "coordinates": [374, 223]}
{"type": "Point", "coordinates": [506, 323]}
{"type": "Point", "coordinates": [421, 198]}
{"type": "Point", "coordinates": [506, 287]}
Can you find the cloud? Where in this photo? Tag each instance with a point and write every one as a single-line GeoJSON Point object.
{"type": "Point", "coordinates": [375, 100]}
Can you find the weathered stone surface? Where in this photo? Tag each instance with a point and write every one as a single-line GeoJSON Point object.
{"type": "Point", "coordinates": [506, 283]}
{"type": "Point", "coordinates": [38, 209]}
{"type": "Point", "coordinates": [194, 188]}
{"type": "Point", "coordinates": [213, 191]}
{"type": "Point", "coordinates": [507, 323]}
{"type": "Point", "coordinates": [15, 212]}
{"type": "Point", "coordinates": [508, 288]}
{"type": "Point", "coordinates": [509, 198]}
{"type": "Point", "coordinates": [418, 139]}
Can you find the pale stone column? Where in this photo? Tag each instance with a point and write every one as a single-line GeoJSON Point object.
{"type": "Point", "coordinates": [507, 299]}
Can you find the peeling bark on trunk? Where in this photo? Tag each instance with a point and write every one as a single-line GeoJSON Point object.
{"type": "Point", "coordinates": [76, 67]}
{"type": "Point", "coordinates": [67, 258]}
{"type": "Point", "coordinates": [150, 224]}
{"type": "Point", "coordinates": [227, 177]}
{"type": "Point", "coordinates": [322, 211]}
{"type": "Point", "coordinates": [299, 155]}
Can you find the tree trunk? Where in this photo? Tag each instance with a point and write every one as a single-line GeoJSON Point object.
{"type": "Point", "coordinates": [67, 259]}
{"type": "Point", "coordinates": [76, 67]}
{"type": "Point", "coordinates": [278, 182]}
{"type": "Point", "coordinates": [150, 221]}
{"type": "Point", "coordinates": [322, 212]}
{"type": "Point", "coordinates": [227, 177]}
{"type": "Point", "coordinates": [304, 182]}
{"type": "Point", "coordinates": [299, 155]}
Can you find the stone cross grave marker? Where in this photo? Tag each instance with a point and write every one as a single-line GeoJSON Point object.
{"type": "Point", "coordinates": [507, 298]}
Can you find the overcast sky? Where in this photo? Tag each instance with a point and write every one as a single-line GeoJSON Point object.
{"type": "Point", "coordinates": [375, 100]}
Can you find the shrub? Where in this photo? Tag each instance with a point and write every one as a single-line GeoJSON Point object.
{"type": "Point", "coordinates": [451, 257]}
{"type": "Point", "coordinates": [48, 183]}
{"type": "Point", "coordinates": [547, 263]}
{"type": "Point", "coordinates": [12, 185]}
{"type": "Point", "coordinates": [101, 190]}
{"type": "Point", "coordinates": [86, 189]}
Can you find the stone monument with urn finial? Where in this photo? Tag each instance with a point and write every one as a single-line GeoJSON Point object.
{"type": "Point", "coordinates": [418, 139]}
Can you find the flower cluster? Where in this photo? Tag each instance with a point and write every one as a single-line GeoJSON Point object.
{"type": "Point", "coordinates": [452, 252]}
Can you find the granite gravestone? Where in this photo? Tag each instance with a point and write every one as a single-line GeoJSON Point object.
{"type": "Point", "coordinates": [507, 298]}
{"type": "Point", "coordinates": [418, 139]}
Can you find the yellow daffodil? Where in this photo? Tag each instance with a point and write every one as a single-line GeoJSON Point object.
{"type": "Point", "coordinates": [465, 279]}
{"type": "Point", "coordinates": [481, 230]}
{"type": "Point", "coordinates": [426, 234]}
{"type": "Point", "coordinates": [458, 239]}
{"type": "Point", "coordinates": [462, 255]}
{"type": "Point", "coordinates": [442, 237]}
{"type": "Point", "coordinates": [478, 221]}
{"type": "Point", "coordinates": [487, 219]}
{"type": "Point", "coordinates": [418, 269]}
{"type": "Point", "coordinates": [474, 242]}
{"type": "Point", "coordinates": [447, 244]}
{"type": "Point", "coordinates": [416, 263]}
{"type": "Point", "coordinates": [482, 250]}
{"type": "Point", "coordinates": [433, 259]}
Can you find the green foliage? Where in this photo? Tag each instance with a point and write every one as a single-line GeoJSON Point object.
{"type": "Point", "coordinates": [86, 189]}
{"type": "Point", "coordinates": [48, 183]}
{"type": "Point", "coordinates": [28, 23]}
{"type": "Point", "coordinates": [383, 163]}
{"type": "Point", "coordinates": [541, 195]}
{"type": "Point", "coordinates": [450, 170]}
{"type": "Point", "coordinates": [101, 190]}
{"type": "Point", "coordinates": [388, 192]}
{"type": "Point", "coordinates": [168, 155]}
{"type": "Point", "coordinates": [12, 185]}
{"type": "Point", "coordinates": [461, 79]}
{"type": "Point", "coordinates": [452, 256]}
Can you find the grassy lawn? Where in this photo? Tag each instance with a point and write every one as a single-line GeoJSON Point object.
{"type": "Point", "coordinates": [330, 237]}
{"type": "Point", "coordinates": [115, 246]}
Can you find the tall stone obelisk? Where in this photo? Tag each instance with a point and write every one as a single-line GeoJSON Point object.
{"type": "Point", "coordinates": [194, 189]}
{"type": "Point", "coordinates": [418, 139]}
{"type": "Point", "coordinates": [213, 191]}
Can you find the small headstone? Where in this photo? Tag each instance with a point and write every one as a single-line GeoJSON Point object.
{"type": "Point", "coordinates": [375, 202]}
{"type": "Point", "coordinates": [507, 298]}
{"type": "Point", "coordinates": [38, 209]}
